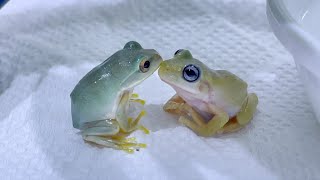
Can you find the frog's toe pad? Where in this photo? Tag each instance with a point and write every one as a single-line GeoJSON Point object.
{"type": "Point", "coordinates": [144, 129]}
{"type": "Point", "coordinates": [134, 96]}
{"type": "Point", "coordinates": [130, 147]}
{"type": "Point", "coordinates": [140, 101]}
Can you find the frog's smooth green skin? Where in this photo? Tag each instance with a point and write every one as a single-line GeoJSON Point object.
{"type": "Point", "coordinates": [99, 102]}
{"type": "Point", "coordinates": [208, 101]}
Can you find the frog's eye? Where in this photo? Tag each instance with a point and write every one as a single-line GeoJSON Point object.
{"type": "Point", "coordinates": [177, 52]}
{"type": "Point", "coordinates": [191, 73]}
{"type": "Point", "coordinates": [144, 65]}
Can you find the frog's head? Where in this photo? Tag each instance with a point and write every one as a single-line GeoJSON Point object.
{"type": "Point", "coordinates": [184, 73]}
{"type": "Point", "coordinates": [137, 63]}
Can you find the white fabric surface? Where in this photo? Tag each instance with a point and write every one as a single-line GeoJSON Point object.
{"type": "Point", "coordinates": [45, 48]}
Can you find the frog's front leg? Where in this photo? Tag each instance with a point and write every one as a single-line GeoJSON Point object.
{"type": "Point", "coordinates": [126, 123]}
{"type": "Point", "coordinates": [135, 98]}
{"type": "Point", "coordinates": [121, 114]}
{"type": "Point", "coordinates": [107, 133]}
{"type": "Point", "coordinates": [206, 129]}
{"type": "Point", "coordinates": [175, 105]}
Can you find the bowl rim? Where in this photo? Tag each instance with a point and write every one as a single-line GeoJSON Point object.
{"type": "Point", "coordinates": [282, 20]}
{"type": "Point", "coordinates": [280, 11]}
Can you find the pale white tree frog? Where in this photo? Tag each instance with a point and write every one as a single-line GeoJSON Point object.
{"type": "Point", "coordinates": [100, 101]}
{"type": "Point", "coordinates": [208, 101]}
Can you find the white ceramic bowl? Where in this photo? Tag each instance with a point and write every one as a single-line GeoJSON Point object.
{"type": "Point", "coordinates": [296, 23]}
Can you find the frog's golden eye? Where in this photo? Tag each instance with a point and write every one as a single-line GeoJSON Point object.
{"type": "Point", "coordinates": [178, 51]}
{"type": "Point", "coordinates": [144, 66]}
{"type": "Point", "coordinates": [191, 73]}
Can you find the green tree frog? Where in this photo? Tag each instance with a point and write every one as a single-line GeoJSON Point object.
{"type": "Point", "coordinates": [101, 99]}
{"type": "Point", "coordinates": [208, 101]}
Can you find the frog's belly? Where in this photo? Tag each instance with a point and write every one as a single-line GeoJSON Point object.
{"type": "Point", "coordinates": [201, 106]}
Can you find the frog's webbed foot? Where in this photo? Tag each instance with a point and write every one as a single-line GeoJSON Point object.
{"type": "Point", "coordinates": [134, 124]}
{"type": "Point", "coordinates": [198, 124]}
{"type": "Point", "coordinates": [244, 116]}
{"type": "Point", "coordinates": [135, 98]}
{"type": "Point", "coordinates": [128, 145]}
{"type": "Point", "coordinates": [175, 105]}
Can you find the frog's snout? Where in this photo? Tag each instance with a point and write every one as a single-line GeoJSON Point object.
{"type": "Point", "coordinates": [158, 57]}
{"type": "Point", "coordinates": [163, 65]}
{"type": "Point", "coordinates": [164, 69]}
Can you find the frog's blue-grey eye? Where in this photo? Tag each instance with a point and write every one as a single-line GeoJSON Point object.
{"type": "Point", "coordinates": [191, 73]}
{"type": "Point", "coordinates": [177, 52]}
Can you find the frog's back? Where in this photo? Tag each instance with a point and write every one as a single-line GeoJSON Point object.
{"type": "Point", "coordinates": [231, 87]}
{"type": "Point", "coordinates": [232, 79]}
{"type": "Point", "coordinates": [100, 71]}
{"type": "Point", "coordinates": [95, 95]}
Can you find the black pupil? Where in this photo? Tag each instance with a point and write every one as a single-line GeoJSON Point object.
{"type": "Point", "coordinates": [190, 72]}
{"type": "Point", "coordinates": [146, 64]}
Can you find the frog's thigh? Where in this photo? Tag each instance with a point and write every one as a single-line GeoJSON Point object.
{"type": "Point", "coordinates": [247, 110]}
{"type": "Point", "coordinates": [94, 134]}
{"type": "Point", "coordinates": [109, 130]}
{"type": "Point", "coordinates": [175, 105]}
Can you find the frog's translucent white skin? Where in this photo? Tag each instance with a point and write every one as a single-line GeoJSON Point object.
{"type": "Point", "coordinates": [208, 101]}
{"type": "Point", "coordinates": [99, 102]}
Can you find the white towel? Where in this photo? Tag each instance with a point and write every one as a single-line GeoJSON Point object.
{"type": "Point", "coordinates": [46, 48]}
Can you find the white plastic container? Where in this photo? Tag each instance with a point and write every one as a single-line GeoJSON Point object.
{"type": "Point", "coordinates": [296, 24]}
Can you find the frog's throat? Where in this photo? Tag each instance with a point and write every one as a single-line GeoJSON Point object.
{"type": "Point", "coordinates": [180, 90]}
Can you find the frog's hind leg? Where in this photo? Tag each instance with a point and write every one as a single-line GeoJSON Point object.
{"type": "Point", "coordinates": [247, 110]}
{"type": "Point", "coordinates": [231, 126]}
{"type": "Point", "coordinates": [107, 133]}
{"type": "Point", "coordinates": [116, 142]}
{"type": "Point", "coordinates": [243, 117]}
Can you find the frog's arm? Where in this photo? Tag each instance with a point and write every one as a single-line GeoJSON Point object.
{"type": "Point", "coordinates": [175, 105]}
{"type": "Point", "coordinates": [206, 129]}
